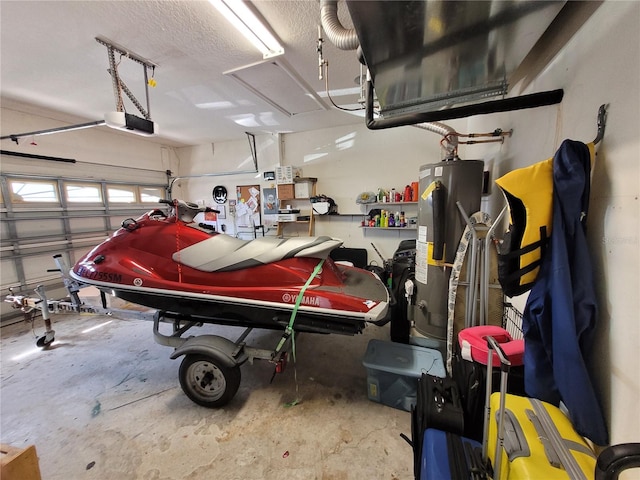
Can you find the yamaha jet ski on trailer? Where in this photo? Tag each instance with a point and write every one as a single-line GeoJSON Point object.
{"type": "Point", "coordinates": [172, 264]}
{"type": "Point", "coordinates": [193, 276]}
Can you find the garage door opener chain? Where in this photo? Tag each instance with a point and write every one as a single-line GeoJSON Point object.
{"type": "Point", "coordinates": [289, 331]}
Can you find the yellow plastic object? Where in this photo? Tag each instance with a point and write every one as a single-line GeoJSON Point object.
{"type": "Point", "coordinates": [534, 462]}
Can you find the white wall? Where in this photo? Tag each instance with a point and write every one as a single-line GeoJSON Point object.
{"type": "Point", "coordinates": [345, 160]}
{"type": "Point", "coordinates": [95, 149]}
{"type": "Point", "coordinates": [600, 65]}
{"type": "Point", "coordinates": [229, 164]}
{"type": "Point", "coordinates": [350, 160]}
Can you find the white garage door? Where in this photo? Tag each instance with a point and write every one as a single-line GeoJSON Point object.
{"type": "Point", "coordinates": [44, 216]}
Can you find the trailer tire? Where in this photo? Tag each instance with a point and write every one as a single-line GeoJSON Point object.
{"type": "Point", "coordinates": [207, 381]}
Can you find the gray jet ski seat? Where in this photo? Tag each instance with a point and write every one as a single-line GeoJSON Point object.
{"type": "Point", "coordinates": [223, 253]}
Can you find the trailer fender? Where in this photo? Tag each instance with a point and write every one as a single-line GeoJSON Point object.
{"type": "Point", "coordinates": [214, 346]}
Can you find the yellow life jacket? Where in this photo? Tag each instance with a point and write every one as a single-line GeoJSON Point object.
{"type": "Point", "coordinates": [529, 193]}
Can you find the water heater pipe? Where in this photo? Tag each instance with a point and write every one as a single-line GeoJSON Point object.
{"type": "Point", "coordinates": [449, 135]}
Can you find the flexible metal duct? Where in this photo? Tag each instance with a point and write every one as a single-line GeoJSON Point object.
{"type": "Point", "coordinates": [450, 143]}
{"type": "Point", "coordinates": [343, 38]}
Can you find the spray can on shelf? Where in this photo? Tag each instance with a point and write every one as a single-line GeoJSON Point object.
{"type": "Point", "coordinates": [408, 194]}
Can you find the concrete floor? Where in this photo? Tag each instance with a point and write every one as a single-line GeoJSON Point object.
{"type": "Point", "coordinates": [104, 402]}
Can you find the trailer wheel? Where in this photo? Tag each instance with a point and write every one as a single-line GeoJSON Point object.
{"type": "Point", "coordinates": [44, 342]}
{"type": "Point", "coordinates": [207, 382]}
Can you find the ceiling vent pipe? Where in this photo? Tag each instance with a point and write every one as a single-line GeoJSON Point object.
{"type": "Point", "coordinates": [343, 38]}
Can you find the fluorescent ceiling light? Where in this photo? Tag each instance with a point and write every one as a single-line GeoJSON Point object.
{"type": "Point", "coordinates": [245, 21]}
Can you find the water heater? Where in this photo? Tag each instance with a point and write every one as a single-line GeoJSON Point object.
{"type": "Point", "coordinates": [442, 187]}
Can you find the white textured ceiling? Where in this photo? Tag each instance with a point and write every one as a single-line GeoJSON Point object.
{"type": "Point", "coordinates": [50, 58]}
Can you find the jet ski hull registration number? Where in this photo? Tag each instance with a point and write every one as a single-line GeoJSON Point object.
{"type": "Point", "coordinates": [100, 276]}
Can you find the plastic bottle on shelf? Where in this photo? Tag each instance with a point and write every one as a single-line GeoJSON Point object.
{"type": "Point", "coordinates": [407, 194]}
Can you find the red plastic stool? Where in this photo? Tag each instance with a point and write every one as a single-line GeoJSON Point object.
{"type": "Point", "coordinates": [473, 344]}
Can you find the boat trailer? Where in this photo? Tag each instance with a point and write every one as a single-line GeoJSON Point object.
{"type": "Point", "coordinates": [209, 373]}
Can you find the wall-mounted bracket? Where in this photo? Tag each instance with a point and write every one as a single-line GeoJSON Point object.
{"type": "Point", "coordinates": [602, 120]}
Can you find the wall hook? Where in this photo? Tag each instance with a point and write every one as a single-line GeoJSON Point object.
{"type": "Point", "coordinates": [602, 116]}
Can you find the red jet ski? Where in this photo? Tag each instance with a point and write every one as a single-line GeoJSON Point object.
{"type": "Point", "coordinates": [175, 265]}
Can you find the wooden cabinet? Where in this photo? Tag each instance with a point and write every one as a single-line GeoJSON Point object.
{"type": "Point", "coordinates": [297, 195]}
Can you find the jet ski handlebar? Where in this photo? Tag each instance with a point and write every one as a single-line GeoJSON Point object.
{"type": "Point", "coordinates": [186, 211]}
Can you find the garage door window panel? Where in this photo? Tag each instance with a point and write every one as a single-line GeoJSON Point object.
{"type": "Point", "coordinates": [151, 194]}
{"type": "Point", "coordinates": [122, 194]}
{"type": "Point", "coordinates": [33, 191]}
{"type": "Point", "coordinates": [83, 193]}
